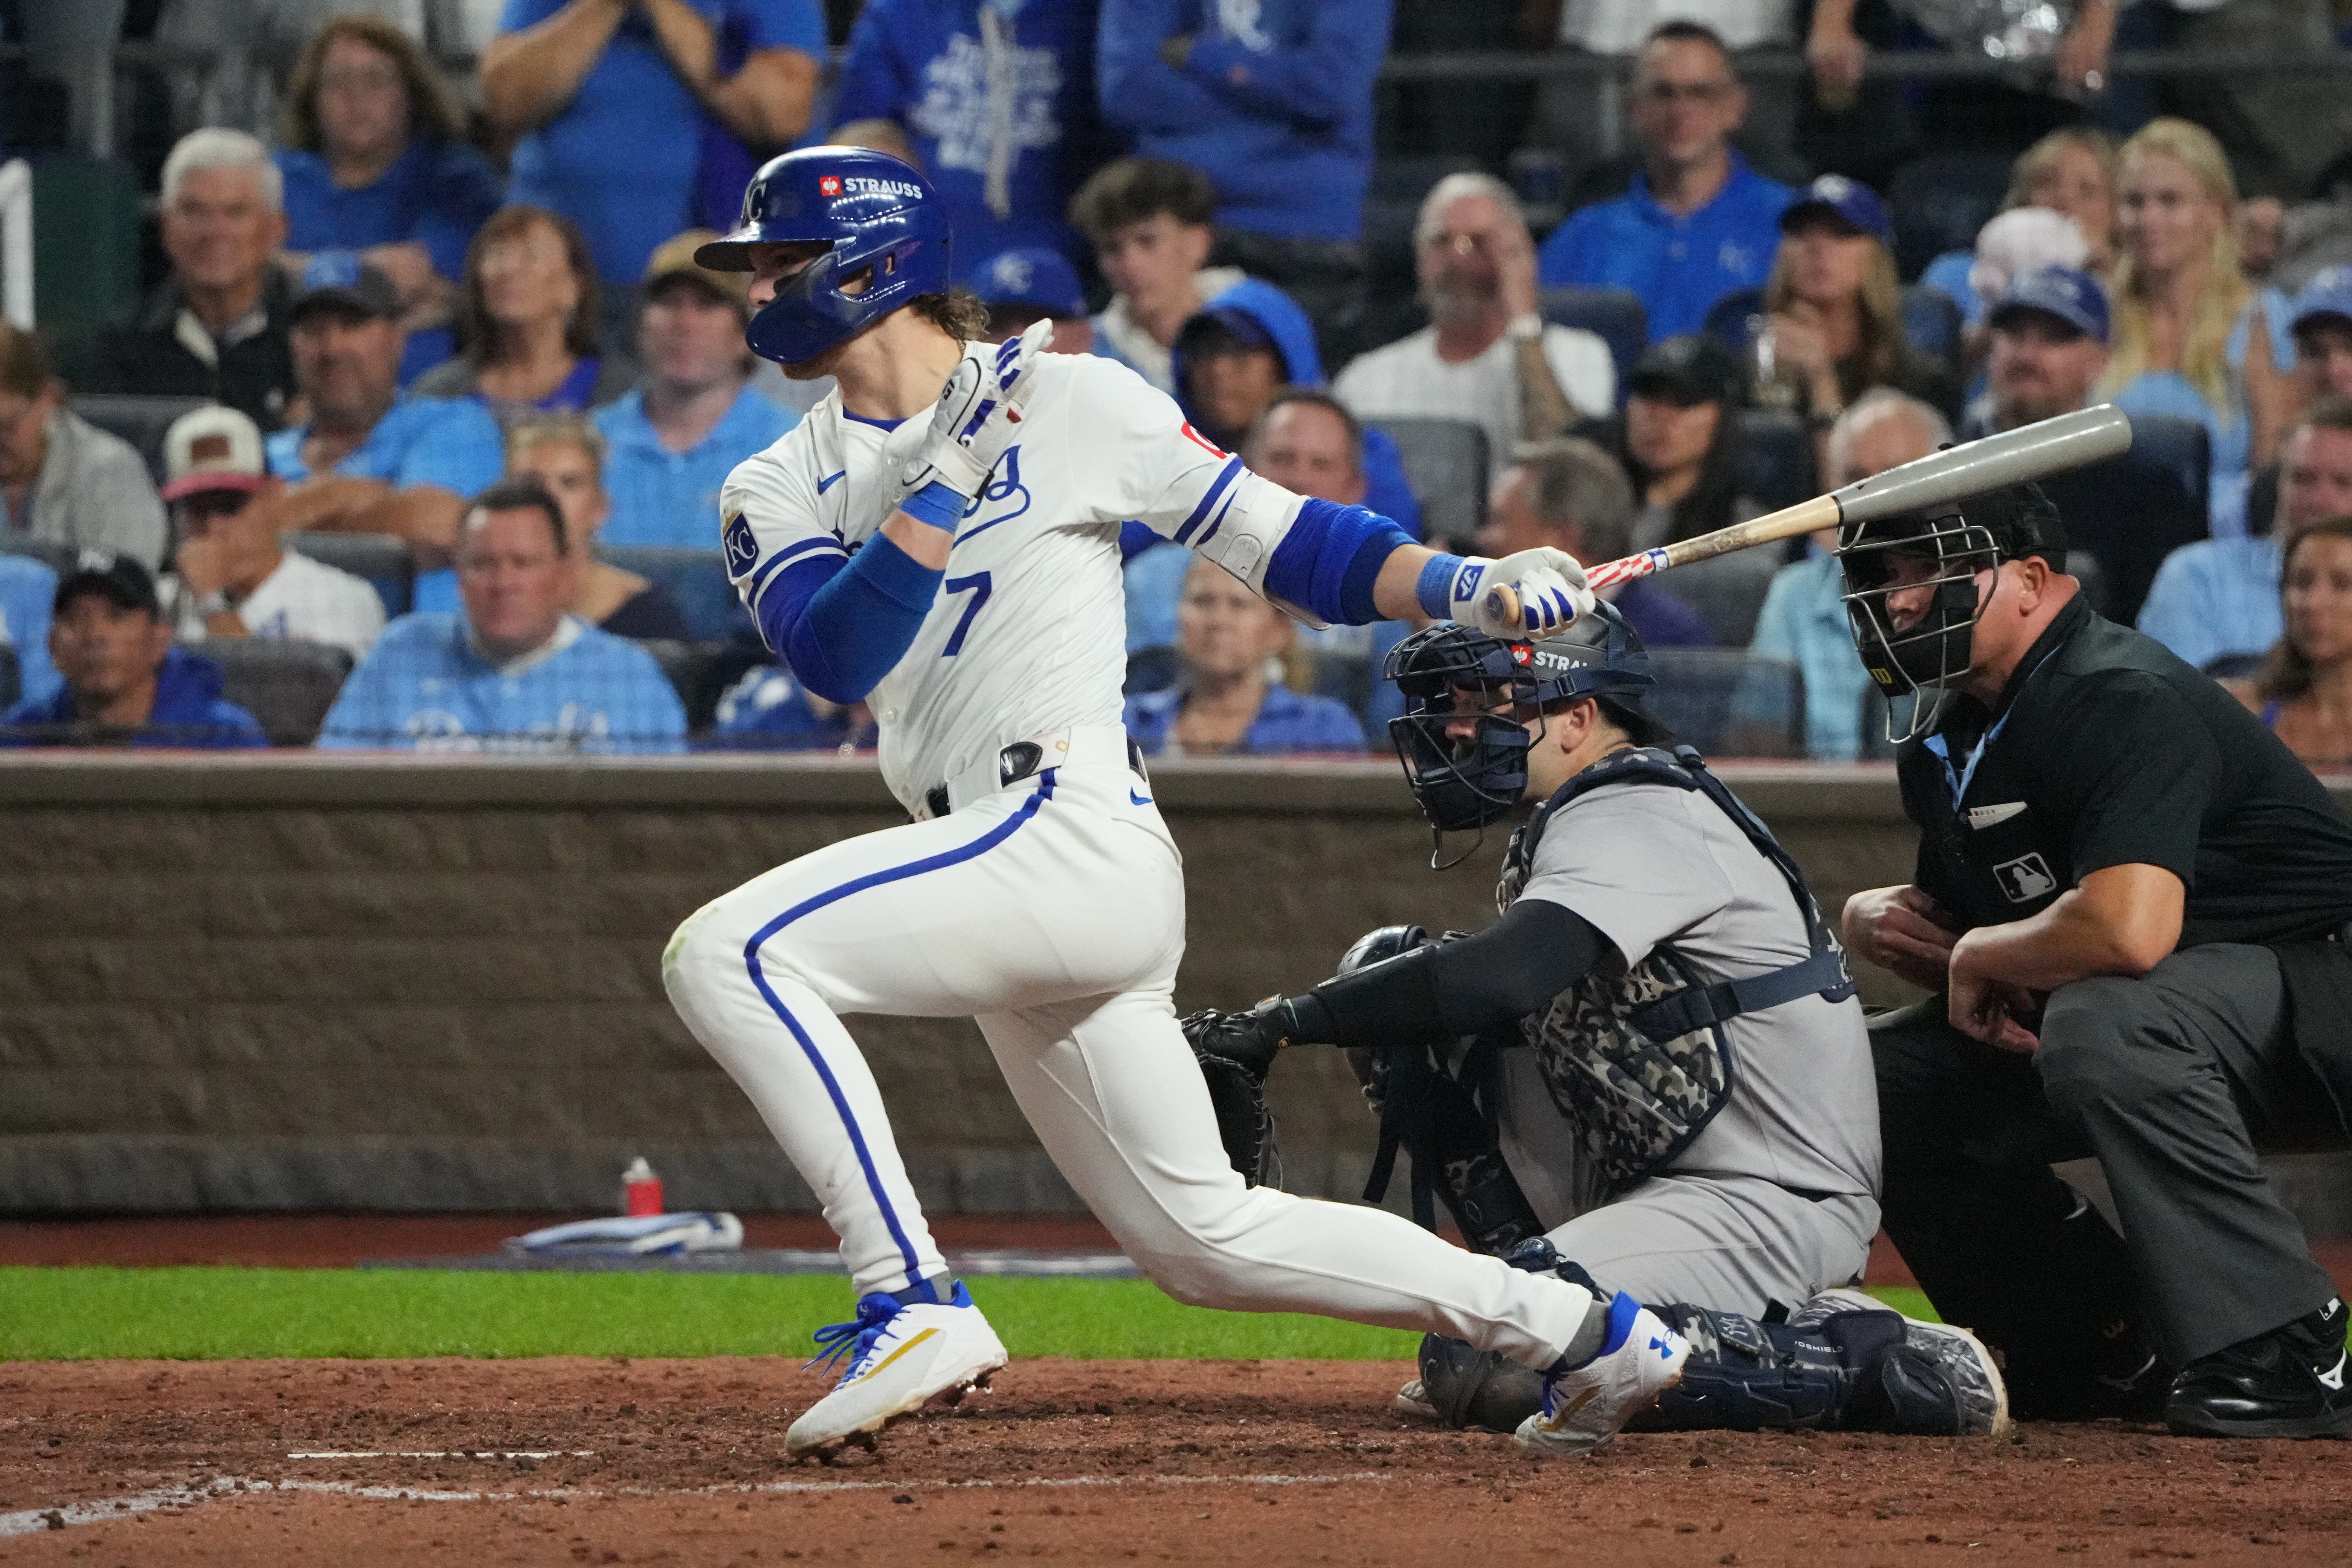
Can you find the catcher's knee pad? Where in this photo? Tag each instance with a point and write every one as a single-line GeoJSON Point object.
{"type": "Point", "coordinates": [1851, 1368]}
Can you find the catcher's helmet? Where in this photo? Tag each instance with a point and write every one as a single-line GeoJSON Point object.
{"type": "Point", "coordinates": [879, 214]}
{"type": "Point", "coordinates": [1922, 648]}
{"type": "Point", "coordinates": [1467, 780]}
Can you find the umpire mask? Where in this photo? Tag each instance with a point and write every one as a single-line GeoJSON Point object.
{"type": "Point", "coordinates": [1913, 600]}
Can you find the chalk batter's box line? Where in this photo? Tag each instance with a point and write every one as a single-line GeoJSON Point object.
{"type": "Point", "coordinates": [177, 1498]}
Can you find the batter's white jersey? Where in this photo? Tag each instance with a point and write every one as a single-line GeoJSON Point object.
{"type": "Point", "coordinates": [1028, 633]}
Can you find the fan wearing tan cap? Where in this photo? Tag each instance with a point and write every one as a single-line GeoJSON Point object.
{"type": "Point", "coordinates": [232, 577]}
{"type": "Point", "coordinates": [694, 413]}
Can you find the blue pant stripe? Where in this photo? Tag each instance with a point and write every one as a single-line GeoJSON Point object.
{"type": "Point", "coordinates": [981, 846]}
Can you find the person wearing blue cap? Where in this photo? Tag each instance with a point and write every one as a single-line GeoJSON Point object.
{"type": "Point", "coordinates": [1035, 284]}
{"type": "Point", "coordinates": [2048, 349]}
{"type": "Point", "coordinates": [996, 100]}
{"type": "Point", "coordinates": [2322, 324]}
{"type": "Point", "coordinates": [1696, 223]}
{"type": "Point", "coordinates": [1831, 312]}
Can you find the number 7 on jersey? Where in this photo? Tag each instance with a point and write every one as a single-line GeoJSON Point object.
{"type": "Point", "coordinates": [978, 582]}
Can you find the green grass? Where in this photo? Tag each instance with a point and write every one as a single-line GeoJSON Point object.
{"type": "Point", "coordinates": [206, 1314]}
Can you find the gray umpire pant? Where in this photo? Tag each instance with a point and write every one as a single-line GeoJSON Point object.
{"type": "Point", "coordinates": [2172, 1081]}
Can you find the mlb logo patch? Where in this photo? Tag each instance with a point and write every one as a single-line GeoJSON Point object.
{"type": "Point", "coordinates": [830, 185]}
{"type": "Point", "coordinates": [2025, 879]}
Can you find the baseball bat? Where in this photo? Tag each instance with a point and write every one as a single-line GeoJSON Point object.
{"type": "Point", "coordinates": [2013, 457]}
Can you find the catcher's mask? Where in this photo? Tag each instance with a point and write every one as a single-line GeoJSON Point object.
{"type": "Point", "coordinates": [1912, 596]}
{"type": "Point", "coordinates": [1467, 762]}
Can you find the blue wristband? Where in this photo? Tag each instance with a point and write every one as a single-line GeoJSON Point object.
{"type": "Point", "coordinates": [1434, 591]}
{"type": "Point", "coordinates": [938, 503]}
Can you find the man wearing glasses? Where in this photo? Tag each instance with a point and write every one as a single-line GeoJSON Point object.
{"type": "Point", "coordinates": [1697, 223]}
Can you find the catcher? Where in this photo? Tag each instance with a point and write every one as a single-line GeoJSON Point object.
{"type": "Point", "coordinates": [1652, 1066]}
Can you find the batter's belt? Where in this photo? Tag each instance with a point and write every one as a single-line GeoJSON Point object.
{"type": "Point", "coordinates": [1080, 745]}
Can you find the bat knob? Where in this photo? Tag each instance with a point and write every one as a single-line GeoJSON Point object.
{"type": "Point", "coordinates": [1502, 606]}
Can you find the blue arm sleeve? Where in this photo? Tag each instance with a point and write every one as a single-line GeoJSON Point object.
{"type": "Point", "coordinates": [1328, 561]}
{"type": "Point", "coordinates": [842, 625]}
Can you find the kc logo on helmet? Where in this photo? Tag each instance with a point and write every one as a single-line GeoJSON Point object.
{"type": "Point", "coordinates": [829, 184]}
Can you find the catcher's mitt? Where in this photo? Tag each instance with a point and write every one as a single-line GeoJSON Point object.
{"type": "Point", "coordinates": [1235, 1052]}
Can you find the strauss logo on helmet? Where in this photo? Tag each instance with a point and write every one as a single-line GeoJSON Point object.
{"type": "Point", "coordinates": [829, 185]}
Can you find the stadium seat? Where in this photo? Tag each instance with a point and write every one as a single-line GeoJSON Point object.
{"type": "Point", "coordinates": [138, 419]}
{"type": "Point", "coordinates": [1717, 696]}
{"type": "Point", "coordinates": [697, 579]}
{"type": "Point", "coordinates": [1151, 670]}
{"type": "Point", "coordinates": [12, 678]}
{"type": "Point", "coordinates": [86, 248]}
{"type": "Point", "coordinates": [1614, 313]}
{"type": "Point", "coordinates": [288, 686]}
{"type": "Point", "coordinates": [57, 556]}
{"type": "Point", "coordinates": [1777, 467]}
{"type": "Point", "coordinates": [1931, 323]}
{"type": "Point", "coordinates": [384, 561]}
{"type": "Point", "coordinates": [1445, 463]}
{"type": "Point", "coordinates": [694, 672]}
{"type": "Point", "coordinates": [2181, 445]}
{"type": "Point", "coordinates": [1939, 201]}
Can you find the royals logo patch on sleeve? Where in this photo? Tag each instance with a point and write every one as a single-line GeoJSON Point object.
{"type": "Point", "coordinates": [742, 550]}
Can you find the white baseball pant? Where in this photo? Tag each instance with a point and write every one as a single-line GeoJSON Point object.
{"type": "Point", "coordinates": [1053, 913]}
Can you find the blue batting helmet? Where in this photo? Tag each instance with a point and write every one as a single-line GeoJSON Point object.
{"type": "Point", "coordinates": [1468, 780]}
{"type": "Point", "coordinates": [879, 214]}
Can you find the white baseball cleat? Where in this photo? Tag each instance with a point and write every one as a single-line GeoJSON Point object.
{"type": "Point", "coordinates": [901, 1357]}
{"type": "Point", "coordinates": [1585, 1407]}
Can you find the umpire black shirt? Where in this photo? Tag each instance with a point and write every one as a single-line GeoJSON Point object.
{"type": "Point", "coordinates": [2105, 750]}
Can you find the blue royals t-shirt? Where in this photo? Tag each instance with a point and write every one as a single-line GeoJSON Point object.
{"type": "Point", "coordinates": [620, 159]}
{"type": "Point", "coordinates": [924, 63]}
{"type": "Point", "coordinates": [425, 688]}
{"type": "Point", "coordinates": [1679, 266]}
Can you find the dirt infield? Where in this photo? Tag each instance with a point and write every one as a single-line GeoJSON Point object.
{"type": "Point", "coordinates": [1255, 1463]}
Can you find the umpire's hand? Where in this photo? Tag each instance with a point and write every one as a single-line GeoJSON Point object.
{"type": "Point", "coordinates": [1902, 930]}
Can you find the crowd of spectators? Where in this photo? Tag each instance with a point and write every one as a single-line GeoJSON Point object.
{"type": "Point", "coordinates": [464, 315]}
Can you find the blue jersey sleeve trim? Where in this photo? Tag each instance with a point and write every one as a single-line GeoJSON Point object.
{"type": "Point", "coordinates": [843, 626]}
{"type": "Point", "coordinates": [1330, 559]}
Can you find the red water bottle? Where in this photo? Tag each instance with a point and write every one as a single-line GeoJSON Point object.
{"type": "Point", "coordinates": [640, 1189]}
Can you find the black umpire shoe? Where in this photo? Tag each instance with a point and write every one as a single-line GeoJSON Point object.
{"type": "Point", "coordinates": [2288, 1383]}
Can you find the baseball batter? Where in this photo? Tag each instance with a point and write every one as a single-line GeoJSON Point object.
{"type": "Point", "coordinates": [951, 558]}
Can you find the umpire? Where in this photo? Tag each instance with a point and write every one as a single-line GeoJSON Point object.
{"type": "Point", "coordinates": [2130, 902]}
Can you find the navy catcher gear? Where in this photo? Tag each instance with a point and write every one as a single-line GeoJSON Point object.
{"type": "Point", "coordinates": [879, 214]}
{"type": "Point", "coordinates": [1466, 781]}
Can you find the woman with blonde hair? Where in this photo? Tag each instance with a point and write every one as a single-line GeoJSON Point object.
{"type": "Point", "coordinates": [2304, 689]}
{"type": "Point", "coordinates": [375, 161]}
{"type": "Point", "coordinates": [527, 325]}
{"type": "Point", "coordinates": [2070, 171]}
{"type": "Point", "coordinates": [2191, 339]}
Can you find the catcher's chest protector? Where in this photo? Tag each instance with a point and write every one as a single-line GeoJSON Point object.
{"type": "Point", "coordinates": [1639, 1061]}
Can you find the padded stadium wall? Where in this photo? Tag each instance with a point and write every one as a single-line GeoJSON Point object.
{"type": "Point", "coordinates": [295, 981]}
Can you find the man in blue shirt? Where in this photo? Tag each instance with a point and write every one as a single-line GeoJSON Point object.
{"type": "Point", "coordinates": [125, 680]}
{"type": "Point", "coordinates": [672, 440]}
{"type": "Point", "coordinates": [996, 98]}
{"type": "Point", "coordinates": [2216, 603]}
{"type": "Point", "coordinates": [1273, 100]}
{"type": "Point", "coordinates": [611, 98]}
{"type": "Point", "coordinates": [1697, 223]}
{"type": "Point", "coordinates": [511, 671]}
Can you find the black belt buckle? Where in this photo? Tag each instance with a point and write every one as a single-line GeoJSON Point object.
{"type": "Point", "coordinates": [936, 801]}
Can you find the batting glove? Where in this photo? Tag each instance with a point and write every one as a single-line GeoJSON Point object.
{"type": "Point", "coordinates": [1546, 584]}
{"type": "Point", "coordinates": [979, 415]}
